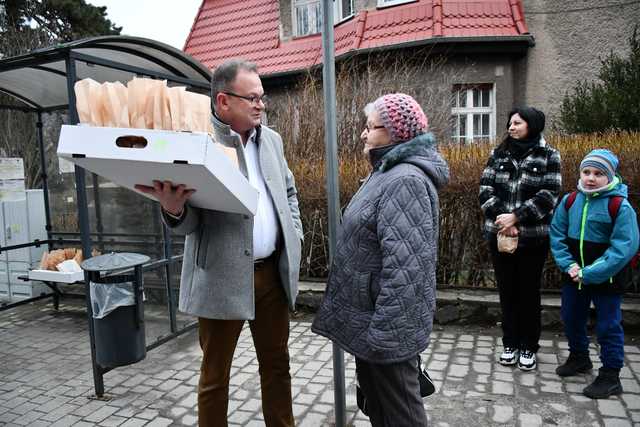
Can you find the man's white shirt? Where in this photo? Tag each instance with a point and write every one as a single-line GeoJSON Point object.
{"type": "Point", "coordinates": [265, 223]}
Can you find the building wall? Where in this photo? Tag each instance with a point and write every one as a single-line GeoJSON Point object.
{"type": "Point", "coordinates": [286, 24]}
{"type": "Point", "coordinates": [569, 46]}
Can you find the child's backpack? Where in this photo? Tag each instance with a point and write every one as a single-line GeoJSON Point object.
{"type": "Point", "coordinates": [614, 206]}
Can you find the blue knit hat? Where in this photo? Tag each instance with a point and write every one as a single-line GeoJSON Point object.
{"type": "Point", "coordinates": [603, 160]}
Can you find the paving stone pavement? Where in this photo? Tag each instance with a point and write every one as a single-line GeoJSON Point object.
{"type": "Point", "coordinates": [45, 379]}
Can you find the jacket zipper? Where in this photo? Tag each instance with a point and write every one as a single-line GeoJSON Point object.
{"type": "Point", "coordinates": [583, 221]}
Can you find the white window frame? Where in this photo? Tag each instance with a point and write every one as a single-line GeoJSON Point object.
{"type": "Point", "coordinates": [338, 13]}
{"type": "Point", "coordinates": [386, 3]}
{"type": "Point", "coordinates": [469, 111]}
{"type": "Point", "coordinates": [315, 18]}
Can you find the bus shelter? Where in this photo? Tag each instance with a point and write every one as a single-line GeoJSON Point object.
{"type": "Point", "coordinates": [43, 82]}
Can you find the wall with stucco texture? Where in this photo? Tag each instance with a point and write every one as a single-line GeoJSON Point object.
{"type": "Point", "coordinates": [571, 38]}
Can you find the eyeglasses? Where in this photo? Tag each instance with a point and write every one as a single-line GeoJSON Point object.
{"type": "Point", "coordinates": [369, 129]}
{"type": "Point", "coordinates": [254, 99]}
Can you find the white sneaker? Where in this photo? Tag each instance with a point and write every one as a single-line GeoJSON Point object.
{"type": "Point", "coordinates": [527, 360]}
{"type": "Point", "coordinates": [509, 356]}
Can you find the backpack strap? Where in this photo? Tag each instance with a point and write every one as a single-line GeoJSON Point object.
{"type": "Point", "coordinates": [614, 206]}
{"type": "Point", "coordinates": [635, 261]}
{"type": "Point", "coordinates": [570, 199]}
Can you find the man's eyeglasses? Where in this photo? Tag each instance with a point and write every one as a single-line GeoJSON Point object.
{"type": "Point", "coordinates": [370, 128]}
{"type": "Point", "coordinates": [254, 99]}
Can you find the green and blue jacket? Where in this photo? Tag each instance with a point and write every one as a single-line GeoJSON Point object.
{"type": "Point", "coordinates": [585, 234]}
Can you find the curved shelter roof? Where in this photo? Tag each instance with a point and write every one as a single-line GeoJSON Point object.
{"type": "Point", "coordinates": [39, 78]}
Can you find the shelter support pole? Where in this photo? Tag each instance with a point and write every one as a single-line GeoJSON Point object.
{"type": "Point", "coordinates": [44, 177]}
{"type": "Point", "coordinates": [167, 246]}
{"type": "Point", "coordinates": [333, 192]}
{"type": "Point", "coordinates": [83, 219]}
{"type": "Point", "coordinates": [98, 211]}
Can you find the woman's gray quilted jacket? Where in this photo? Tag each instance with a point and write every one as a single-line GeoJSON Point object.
{"type": "Point", "coordinates": [380, 296]}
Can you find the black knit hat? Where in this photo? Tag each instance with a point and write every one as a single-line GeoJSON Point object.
{"type": "Point", "coordinates": [535, 119]}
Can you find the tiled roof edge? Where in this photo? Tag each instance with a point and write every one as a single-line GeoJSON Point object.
{"type": "Point", "coordinates": [193, 26]}
{"type": "Point", "coordinates": [518, 16]}
{"type": "Point", "coordinates": [361, 23]}
{"type": "Point", "coordinates": [472, 39]}
{"type": "Point", "coordinates": [437, 18]}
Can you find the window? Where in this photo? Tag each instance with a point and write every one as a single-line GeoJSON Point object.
{"type": "Point", "coordinates": [383, 3]}
{"type": "Point", "coordinates": [342, 9]}
{"type": "Point", "coordinates": [473, 112]}
{"type": "Point", "coordinates": [307, 15]}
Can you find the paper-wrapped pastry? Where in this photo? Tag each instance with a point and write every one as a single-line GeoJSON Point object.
{"type": "Point", "coordinates": [55, 257]}
{"type": "Point", "coordinates": [78, 257]}
{"type": "Point", "coordinates": [51, 260]}
{"type": "Point", "coordinates": [143, 104]}
{"type": "Point", "coordinates": [197, 111]}
{"type": "Point", "coordinates": [89, 102]}
{"type": "Point", "coordinates": [43, 260]}
{"type": "Point", "coordinates": [507, 244]}
{"type": "Point", "coordinates": [69, 253]}
{"type": "Point", "coordinates": [116, 108]}
{"type": "Point", "coordinates": [156, 109]}
{"type": "Point", "coordinates": [136, 101]}
{"type": "Point", "coordinates": [176, 107]}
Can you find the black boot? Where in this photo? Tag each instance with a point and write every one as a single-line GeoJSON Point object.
{"type": "Point", "coordinates": [575, 364]}
{"type": "Point", "coordinates": [607, 383]}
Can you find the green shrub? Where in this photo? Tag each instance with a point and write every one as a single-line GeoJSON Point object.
{"type": "Point", "coordinates": [613, 103]}
{"type": "Point", "coordinates": [463, 258]}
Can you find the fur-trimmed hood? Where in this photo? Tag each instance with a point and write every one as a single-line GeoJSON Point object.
{"type": "Point", "coordinates": [421, 152]}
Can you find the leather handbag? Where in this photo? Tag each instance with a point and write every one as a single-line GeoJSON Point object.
{"type": "Point", "coordinates": [427, 387]}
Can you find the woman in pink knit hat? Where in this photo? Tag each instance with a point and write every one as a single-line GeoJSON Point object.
{"type": "Point", "coordinates": [380, 296]}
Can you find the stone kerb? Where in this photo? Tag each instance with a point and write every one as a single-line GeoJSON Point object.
{"type": "Point", "coordinates": [478, 306]}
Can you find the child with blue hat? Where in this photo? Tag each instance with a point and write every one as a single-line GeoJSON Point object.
{"type": "Point", "coordinates": [594, 236]}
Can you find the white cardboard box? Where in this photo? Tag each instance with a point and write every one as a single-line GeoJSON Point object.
{"type": "Point", "coordinates": [56, 276]}
{"type": "Point", "coordinates": [189, 158]}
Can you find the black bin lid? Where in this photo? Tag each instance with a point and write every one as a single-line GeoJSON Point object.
{"type": "Point", "coordinates": [114, 261]}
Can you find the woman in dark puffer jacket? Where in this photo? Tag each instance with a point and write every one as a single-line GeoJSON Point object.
{"type": "Point", "coordinates": [380, 296]}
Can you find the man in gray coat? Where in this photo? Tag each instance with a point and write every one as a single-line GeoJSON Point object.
{"type": "Point", "coordinates": [237, 267]}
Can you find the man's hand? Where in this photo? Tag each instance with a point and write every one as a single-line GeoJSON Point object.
{"type": "Point", "coordinates": [504, 221]}
{"type": "Point", "coordinates": [172, 199]}
{"type": "Point", "coordinates": [573, 272]}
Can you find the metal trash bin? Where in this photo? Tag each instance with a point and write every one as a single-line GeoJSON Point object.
{"type": "Point", "coordinates": [119, 330]}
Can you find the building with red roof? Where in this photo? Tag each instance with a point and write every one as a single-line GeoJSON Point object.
{"type": "Point", "coordinates": [493, 61]}
{"type": "Point", "coordinates": [258, 30]}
